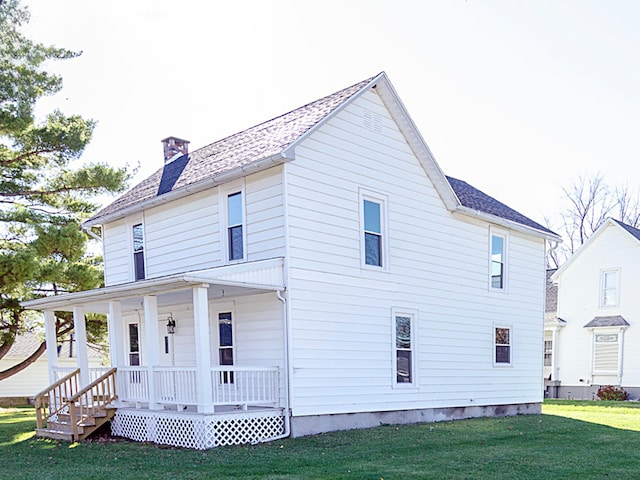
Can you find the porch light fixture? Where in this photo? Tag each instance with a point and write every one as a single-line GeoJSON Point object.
{"type": "Point", "coordinates": [171, 325]}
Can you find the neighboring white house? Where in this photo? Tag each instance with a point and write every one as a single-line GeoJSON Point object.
{"type": "Point", "coordinates": [315, 272]}
{"type": "Point", "coordinates": [593, 339]}
{"type": "Point", "coordinates": [35, 377]}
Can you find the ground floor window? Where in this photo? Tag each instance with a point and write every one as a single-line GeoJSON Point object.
{"type": "Point", "coordinates": [404, 347]}
{"type": "Point", "coordinates": [503, 346]}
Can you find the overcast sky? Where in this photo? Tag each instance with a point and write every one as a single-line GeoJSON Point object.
{"type": "Point", "coordinates": [515, 97]}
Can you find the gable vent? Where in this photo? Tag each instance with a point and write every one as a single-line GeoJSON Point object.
{"type": "Point", "coordinates": [371, 121]}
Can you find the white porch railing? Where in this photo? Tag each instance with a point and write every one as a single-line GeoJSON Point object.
{"type": "Point", "coordinates": [94, 372]}
{"type": "Point", "coordinates": [231, 385]}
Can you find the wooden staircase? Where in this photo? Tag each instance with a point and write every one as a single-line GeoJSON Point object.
{"type": "Point", "coordinates": [66, 412]}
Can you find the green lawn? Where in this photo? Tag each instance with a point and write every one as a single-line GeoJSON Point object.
{"type": "Point", "coordinates": [570, 440]}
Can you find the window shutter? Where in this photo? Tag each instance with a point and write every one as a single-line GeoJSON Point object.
{"type": "Point", "coordinates": [605, 355]}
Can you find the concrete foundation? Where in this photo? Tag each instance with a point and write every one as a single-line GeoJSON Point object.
{"type": "Point", "coordinates": [313, 424]}
{"type": "Point", "coordinates": [589, 392]}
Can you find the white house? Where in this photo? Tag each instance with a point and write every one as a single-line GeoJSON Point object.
{"type": "Point", "coordinates": [315, 272]}
{"type": "Point", "coordinates": [593, 339]}
{"type": "Point", "coordinates": [19, 387]}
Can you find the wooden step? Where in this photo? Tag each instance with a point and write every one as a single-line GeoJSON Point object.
{"type": "Point", "coordinates": [54, 434]}
{"type": "Point", "coordinates": [63, 427]}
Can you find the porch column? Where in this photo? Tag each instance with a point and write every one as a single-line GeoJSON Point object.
{"type": "Point", "coordinates": [116, 339]}
{"type": "Point", "coordinates": [52, 344]}
{"type": "Point", "coordinates": [80, 330]}
{"type": "Point", "coordinates": [203, 349]}
{"type": "Point", "coordinates": [151, 345]}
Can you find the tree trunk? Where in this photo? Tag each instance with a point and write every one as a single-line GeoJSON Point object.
{"type": "Point", "coordinates": [25, 363]}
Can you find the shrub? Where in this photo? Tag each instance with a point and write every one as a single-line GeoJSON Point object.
{"type": "Point", "coordinates": [609, 392]}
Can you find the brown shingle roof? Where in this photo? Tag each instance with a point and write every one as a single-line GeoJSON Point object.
{"type": "Point", "coordinates": [238, 150]}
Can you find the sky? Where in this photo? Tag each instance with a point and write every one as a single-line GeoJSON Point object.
{"type": "Point", "coordinates": [518, 98]}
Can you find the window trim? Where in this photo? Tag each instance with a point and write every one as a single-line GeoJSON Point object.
{"type": "Point", "coordinates": [130, 352]}
{"type": "Point", "coordinates": [382, 200]}
{"type": "Point", "coordinates": [603, 274]}
{"type": "Point", "coordinates": [413, 315]}
{"type": "Point", "coordinates": [504, 235]}
{"type": "Point", "coordinates": [510, 363]}
{"type": "Point", "coordinates": [595, 332]}
{"type": "Point", "coordinates": [224, 194]}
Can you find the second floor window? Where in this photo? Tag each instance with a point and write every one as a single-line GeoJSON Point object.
{"type": "Point", "coordinates": [235, 234]}
{"type": "Point", "coordinates": [372, 233]}
{"type": "Point", "coordinates": [498, 261]}
{"type": "Point", "coordinates": [609, 296]}
{"type": "Point", "coordinates": [138, 252]}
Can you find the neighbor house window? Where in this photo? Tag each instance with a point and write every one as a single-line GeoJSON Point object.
{"type": "Point", "coordinates": [404, 335]}
{"type": "Point", "coordinates": [225, 349]}
{"type": "Point", "coordinates": [138, 252]}
{"type": "Point", "coordinates": [609, 296]}
{"type": "Point", "coordinates": [503, 345]}
{"type": "Point", "coordinates": [606, 353]}
{"type": "Point", "coordinates": [548, 352]}
{"type": "Point", "coordinates": [498, 261]}
{"type": "Point", "coordinates": [235, 236]}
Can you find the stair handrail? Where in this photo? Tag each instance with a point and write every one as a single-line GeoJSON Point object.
{"type": "Point", "coordinates": [42, 399]}
{"type": "Point", "coordinates": [95, 396]}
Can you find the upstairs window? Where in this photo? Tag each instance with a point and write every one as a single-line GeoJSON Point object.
{"type": "Point", "coordinates": [235, 236]}
{"type": "Point", "coordinates": [373, 252]}
{"type": "Point", "coordinates": [609, 294]}
{"type": "Point", "coordinates": [502, 346]}
{"type": "Point", "coordinates": [138, 252]}
{"type": "Point", "coordinates": [498, 261]}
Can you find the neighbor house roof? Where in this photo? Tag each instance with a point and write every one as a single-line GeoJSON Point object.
{"type": "Point", "coordinates": [611, 321]}
{"type": "Point", "coordinates": [272, 142]}
{"type": "Point", "coordinates": [632, 230]}
{"type": "Point", "coordinates": [28, 342]}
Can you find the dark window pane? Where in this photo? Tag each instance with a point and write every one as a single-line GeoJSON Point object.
{"type": "Point", "coordinates": [235, 243]}
{"type": "Point", "coordinates": [503, 354]}
{"type": "Point", "coordinates": [403, 366]}
{"type": "Point", "coordinates": [373, 249]}
{"type": "Point", "coordinates": [372, 217]}
{"type": "Point", "coordinates": [134, 359]}
{"type": "Point", "coordinates": [226, 334]}
{"type": "Point", "coordinates": [133, 337]}
{"type": "Point", "coordinates": [226, 356]}
{"type": "Point", "coordinates": [138, 262]}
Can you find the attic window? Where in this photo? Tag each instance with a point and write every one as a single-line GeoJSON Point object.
{"type": "Point", "coordinates": [371, 121]}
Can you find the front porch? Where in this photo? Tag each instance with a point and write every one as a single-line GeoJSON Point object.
{"type": "Point", "coordinates": [215, 374]}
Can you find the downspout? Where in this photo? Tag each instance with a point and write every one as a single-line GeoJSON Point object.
{"type": "Point", "coordinates": [287, 402]}
{"type": "Point", "coordinates": [91, 234]}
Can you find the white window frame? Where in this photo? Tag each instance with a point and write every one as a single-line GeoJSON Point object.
{"type": "Point", "coordinates": [413, 315]}
{"type": "Point", "coordinates": [223, 198]}
{"type": "Point", "coordinates": [495, 232]}
{"type": "Point", "coordinates": [607, 331]}
{"type": "Point", "coordinates": [129, 351]}
{"type": "Point", "coordinates": [603, 274]}
{"type": "Point", "coordinates": [130, 223]}
{"type": "Point", "coordinates": [382, 200]}
{"type": "Point", "coordinates": [510, 345]}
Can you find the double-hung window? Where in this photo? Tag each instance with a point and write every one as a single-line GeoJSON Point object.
{"type": "Point", "coordinates": [404, 335]}
{"type": "Point", "coordinates": [235, 230]}
{"type": "Point", "coordinates": [225, 349]}
{"type": "Point", "coordinates": [503, 342]}
{"type": "Point", "coordinates": [373, 234]}
{"type": "Point", "coordinates": [609, 291]}
{"type": "Point", "coordinates": [138, 252]}
{"type": "Point", "coordinates": [498, 261]}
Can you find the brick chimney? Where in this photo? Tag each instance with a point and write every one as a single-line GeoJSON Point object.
{"type": "Point", "coordinates": [174, 148]}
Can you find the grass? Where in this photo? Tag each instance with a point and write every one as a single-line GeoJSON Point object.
{"type": "Point", "coordinates": [570, 440]}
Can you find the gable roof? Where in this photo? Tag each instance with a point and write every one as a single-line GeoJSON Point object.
{"type": "Point", "coordinates": [273, 142]}
{"type": "Point", "coordinates": [634, 232]}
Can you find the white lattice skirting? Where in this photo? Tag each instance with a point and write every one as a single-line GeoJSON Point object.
{"type": "Point", "coordinates": [197, 431]}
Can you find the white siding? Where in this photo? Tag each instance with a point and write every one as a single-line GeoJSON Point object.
{"type": "Point", "coordinates": [579, 291]}
{"type": "Point", "coordinates": [185, 235]}
{"type": "Point", "coordinates": [117, 252]}
{"type": "Point", "coordinates": [341, 312]}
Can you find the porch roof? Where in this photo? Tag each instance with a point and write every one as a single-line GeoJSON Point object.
{"type": "Point", "coordinates": [226, 281]}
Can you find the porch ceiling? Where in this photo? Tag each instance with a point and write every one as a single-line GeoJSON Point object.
{"type": "Point", "coordinates": [229, 281]}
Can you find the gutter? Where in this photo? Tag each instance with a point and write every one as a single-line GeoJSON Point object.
{"type": "Point", "coordinates": [238, 172]}
{"type": "Point", "coordinates": [507, 223]}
